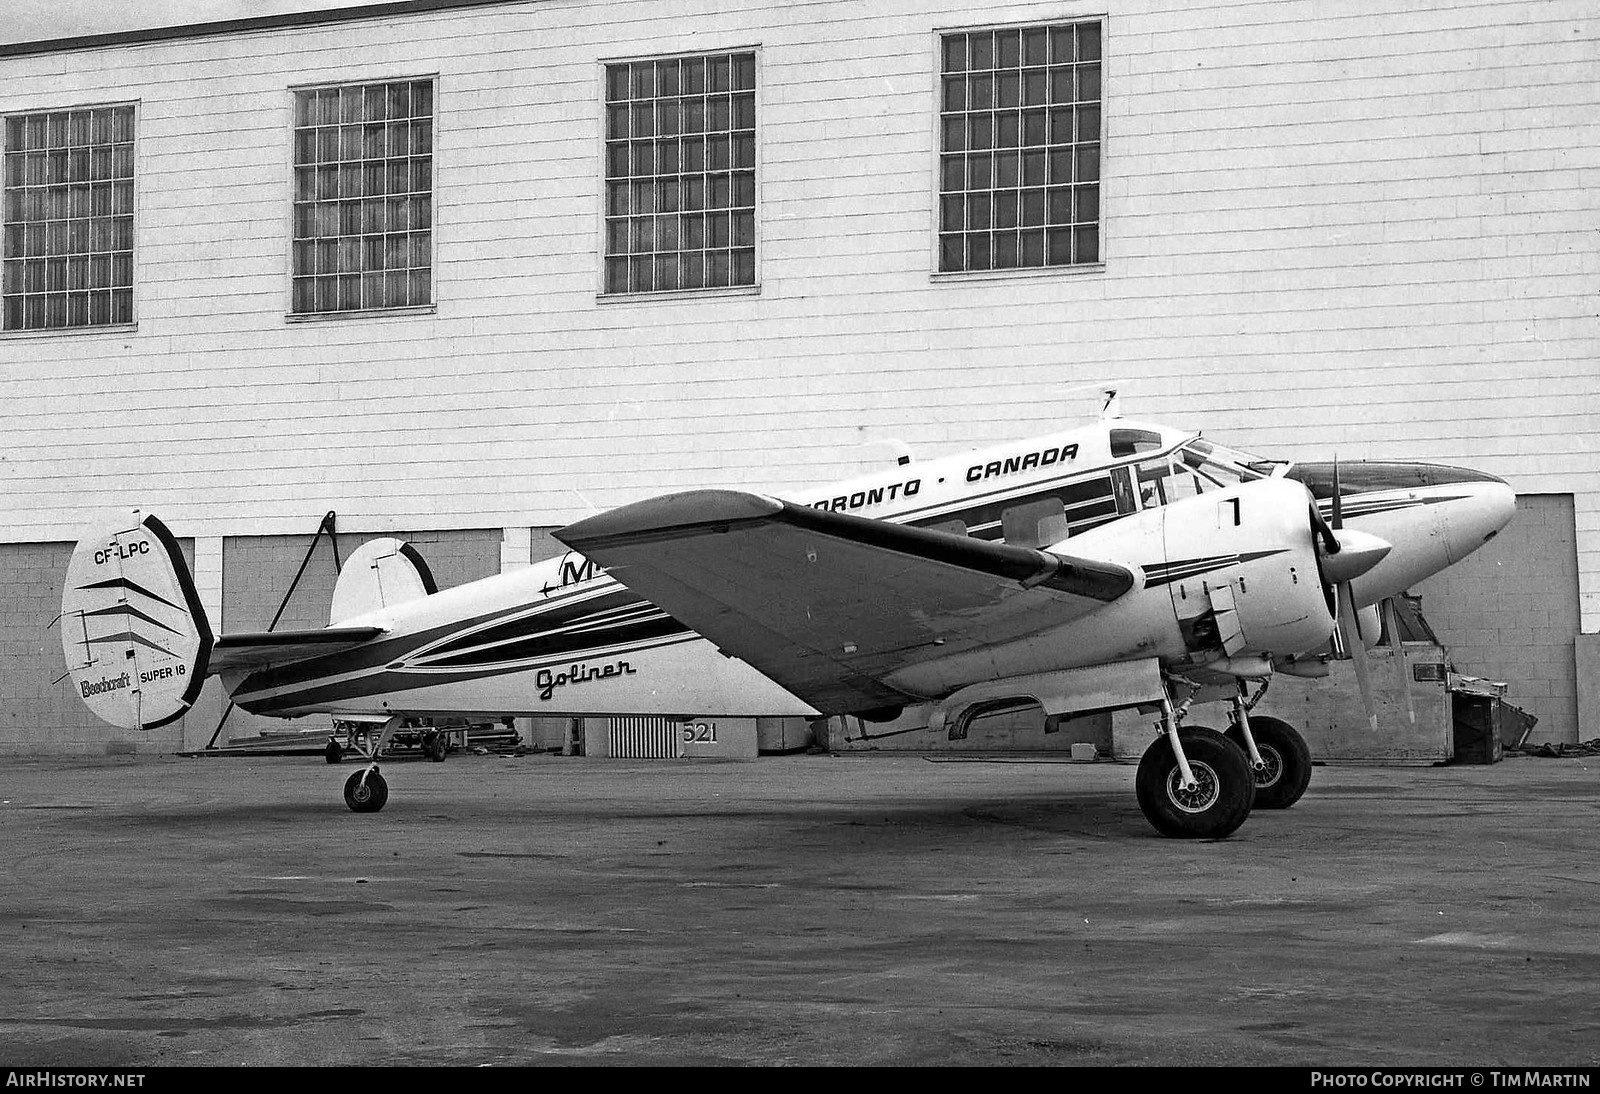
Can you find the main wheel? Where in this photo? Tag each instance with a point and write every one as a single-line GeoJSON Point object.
{"type": "Point", "coordinates": [1219, 801]}
{"type": "Point", "coordinates": [365, 796]}
{"type": "Point", "coordinates": [333, 753]}
{"type": "Point", "coordinates": [1288, 771]}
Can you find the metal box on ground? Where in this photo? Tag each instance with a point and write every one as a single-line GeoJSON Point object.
{"type": "Point", "coordinates": [1476, 712]}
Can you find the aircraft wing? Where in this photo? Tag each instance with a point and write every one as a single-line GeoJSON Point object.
{"type": "Point", "coordinates": [828, 604]}
{"type": "Point", "coordinates": [258, 649]}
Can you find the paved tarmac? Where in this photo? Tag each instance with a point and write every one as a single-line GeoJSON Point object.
{"type": "Point", "coordinates": [830, 910]}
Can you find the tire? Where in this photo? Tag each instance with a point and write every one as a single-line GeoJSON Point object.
{"type": "Point", "coordinates": [436, 746]}
{"type": "Point", "coordinates": [1221, 801]}
{"type": "Point", "coordinates": [1288, 761]}
{"type": "Point", "coordinates": [368, 796]}
{"type": "Point", "coordinates": [333, 753]}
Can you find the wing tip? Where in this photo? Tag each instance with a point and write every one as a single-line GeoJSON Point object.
{"type": "Point", "coordinates": [669, 514]}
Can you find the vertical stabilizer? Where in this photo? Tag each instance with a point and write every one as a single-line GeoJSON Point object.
{"type": "Point", "coordinates": [135, 637]}
{"type": "Point", "coordinates": [379, 574]}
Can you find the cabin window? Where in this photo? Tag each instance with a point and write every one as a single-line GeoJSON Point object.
{"type": "Point", "coordinates": [1019, 147]}
{"type": "Point", "coordinates": [1035, 523]}
{"type": "Point", "coordinates": [680, 173]}
{"type": "Point", "coordinates": [363, 197]}
{"type": "Point", "coordinates": [68, 218]}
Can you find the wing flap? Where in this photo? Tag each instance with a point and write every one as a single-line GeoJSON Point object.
{"type": "Point", "coordinates": [260, 649]}
{"type": "Point", "coordinates": [828, 604]}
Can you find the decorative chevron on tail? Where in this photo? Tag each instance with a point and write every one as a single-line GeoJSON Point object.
{"type": "Point", "coordinates": [136, 640]}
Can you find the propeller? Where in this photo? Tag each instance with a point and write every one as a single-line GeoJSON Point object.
{"type": "Point", "coordinates": [1402, 677]}
{"type": "Point", "coordinates": [1345, 554]}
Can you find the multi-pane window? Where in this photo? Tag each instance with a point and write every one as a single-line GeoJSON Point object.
{"type": "Point", "coordinates": [67, 219]}
{"type": "Point", "coordinates": [1019, 169]}
{"type": "Point", "coordinates": [680, 173]}
{"type": "Point", "coordinates": [363, 197]}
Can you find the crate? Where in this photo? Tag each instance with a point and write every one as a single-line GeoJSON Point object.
{"type": "Point", "coordinates": [1477, 728]}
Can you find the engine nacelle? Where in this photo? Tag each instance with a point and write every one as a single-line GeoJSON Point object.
{"type": "Point", "coordinates": [1241, 568]}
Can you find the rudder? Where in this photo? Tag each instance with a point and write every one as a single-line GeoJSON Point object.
{"type": "Point", "coordinates": [134, 634]}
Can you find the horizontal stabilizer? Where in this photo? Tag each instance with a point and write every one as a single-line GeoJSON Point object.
{"type": "Point", "coordinates": [828, 604]}
{"type": "Point", "coordinates": [258, 649]}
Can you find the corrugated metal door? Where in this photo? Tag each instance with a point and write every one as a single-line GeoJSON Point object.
{"type": "Point", "coordinates": [645, 737]}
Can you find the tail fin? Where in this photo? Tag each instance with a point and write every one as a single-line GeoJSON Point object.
{"type": "Point", "coordinates": [135, 636]}
{"type": "Point", "coordinates": [379, 574]}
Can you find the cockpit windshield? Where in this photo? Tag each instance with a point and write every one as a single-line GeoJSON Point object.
{"type": "Point", "coordinates": [1195, 467]}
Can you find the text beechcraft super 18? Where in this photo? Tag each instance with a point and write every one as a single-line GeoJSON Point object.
{"type": "Point", "coordinates": [1117, 565]}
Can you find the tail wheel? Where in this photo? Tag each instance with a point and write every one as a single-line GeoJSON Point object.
{"type": "Point", "coordinates": [1217, 803]}
{"type": "Point", "coordinates": [365, 795]}
{"type": "Point", "coordinates": [1288, 761]}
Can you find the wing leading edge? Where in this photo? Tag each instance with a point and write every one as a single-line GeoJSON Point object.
{"type": "Point", "coordinates": [829, 604]}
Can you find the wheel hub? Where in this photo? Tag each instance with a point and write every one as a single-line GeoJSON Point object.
{"type": "Point", "coordinates": [1198, 797]}
{"type": "Point", "coordinates": [1271, 769]}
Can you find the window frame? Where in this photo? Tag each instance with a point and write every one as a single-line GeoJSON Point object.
{"type": "Point", "coordinates": [134, 213]}
{"type": "Point", "coordinates": [432, 305]}
{"type": "Point", "coordinates": [936, 92]}
{"type": "Point", "coordinates": [602, 294]}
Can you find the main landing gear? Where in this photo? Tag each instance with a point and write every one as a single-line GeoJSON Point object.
{"type": "Point", "coordinates": [1196, 783]}
{"type": "Point", "coordinates": [1285, 768]}
{"type": "Point", "coordinates": [1198, 788]}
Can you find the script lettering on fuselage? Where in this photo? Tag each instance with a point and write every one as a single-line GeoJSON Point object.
{"type": "Point", "coordinates": [876, 495]}
{"type": "Point", "coordinates": [578, 673]}
{"type": "Point", "coordinates": [1012, 465]}
{"type": "Point", "coordinates": [575, 569]}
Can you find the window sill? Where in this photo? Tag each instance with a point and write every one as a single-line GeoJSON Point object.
{"type": "Point", "coordinates": [74, 332]}
{"type": "Point", "coordinates": [363, 313]}
{"type": "Point", "coordinates": [1021, 271]}
{"type": "Point", "coordinates": [677, 294]}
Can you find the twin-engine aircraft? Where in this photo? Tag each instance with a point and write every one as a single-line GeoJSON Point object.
{"type": "Point", "coordinates": [1121, 565]}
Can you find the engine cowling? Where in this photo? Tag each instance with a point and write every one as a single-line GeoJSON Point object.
{"type": "Point", "coordinates": [1241, 569]}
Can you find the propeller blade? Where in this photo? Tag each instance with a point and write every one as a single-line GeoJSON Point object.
{"type": "Point", "coordinates": [1402, 675]}
{"type": "Point", "coordinates": [1338, 499]}
{"type": "Point", "coordinates": [1351, 626]}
